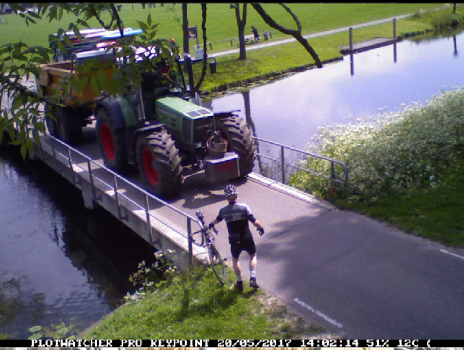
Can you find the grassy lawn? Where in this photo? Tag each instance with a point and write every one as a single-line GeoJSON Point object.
{"type": "Point", "coordinates": [195, 306]}
{"type": "Point", "coordinates": [287, 56]}
{"type": "Point", "coordinates": [221, 22]}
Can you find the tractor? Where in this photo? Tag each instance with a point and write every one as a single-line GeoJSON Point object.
{"type": "Point", "coordinates": [155, 128]}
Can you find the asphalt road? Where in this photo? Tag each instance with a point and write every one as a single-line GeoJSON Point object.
{"type": "Point", "coordinates": [359, 277]}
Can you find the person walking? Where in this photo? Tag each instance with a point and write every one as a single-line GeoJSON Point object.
{"type": "Point", "coordinates": [255, 33]}
{"type": "Point", "coordinates": [237, 216]}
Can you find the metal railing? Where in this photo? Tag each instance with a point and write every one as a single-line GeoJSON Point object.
{"type": "Point", "coordinates": [283, 163]}
{"type": "Point", "coordinates": [69, 163]}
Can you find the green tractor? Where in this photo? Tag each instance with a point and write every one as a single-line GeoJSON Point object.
{"type": "Point", "coordinates": [168, 138]}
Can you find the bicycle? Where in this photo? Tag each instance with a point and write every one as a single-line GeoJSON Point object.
{"type": "Point", "coordinates": [207, 239]}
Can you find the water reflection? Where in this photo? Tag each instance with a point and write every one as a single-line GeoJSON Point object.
{"type": "Point", "coordinates": [58, 261]}
{"type": "Point", "coordinates": [395, 57]}
{"type": "Point", "coordinates": [291, 110]}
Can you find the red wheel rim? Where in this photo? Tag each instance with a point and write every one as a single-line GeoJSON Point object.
{"type": "Point", "coordinates": [150, 172]}
{"type": "Point", "coordinates": [107, 141]}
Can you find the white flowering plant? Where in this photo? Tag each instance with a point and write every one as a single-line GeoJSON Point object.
{"type": "Point", "coordinates": [402, 152]}
{"type": "Point", "coordinates": [151, 278]}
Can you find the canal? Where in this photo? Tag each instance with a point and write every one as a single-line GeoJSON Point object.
{"type": "Point", "coordinates": [60, 264]}
{"type": "Point", "coordinates": [63, 264]}
{"type": "Point", "coordinates": [291, 110]}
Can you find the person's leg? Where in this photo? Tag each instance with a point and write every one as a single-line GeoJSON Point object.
{"type": "Point", "coordinates": [237, 268]}
{"type": "Point", "coordinates": [235, 250]}
{"type": "Point", "coordinates": [251, 250]}
{"type": "Point", "coordinates": [253, 264]}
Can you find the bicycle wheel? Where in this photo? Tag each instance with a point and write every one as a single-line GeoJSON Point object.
{"type": "Point", "coordinates": [217, 263]}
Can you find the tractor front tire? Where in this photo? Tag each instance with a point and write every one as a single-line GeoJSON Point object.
{"type": "Point", "coordinates": [236, 132]}
{"type": "Point", "coordinates": [159, 164]}
{"type": "Point", "coordinates": [112, 142]}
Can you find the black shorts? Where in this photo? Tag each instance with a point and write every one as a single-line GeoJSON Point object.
{"type": "Point", "coordinates": [246, 245]}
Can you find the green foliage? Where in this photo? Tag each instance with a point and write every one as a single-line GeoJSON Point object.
{"type": "Point", "coordinates": [149, 278]}
{"type": "Point", "coordinates": [55, 331]}
{"type": "Point", "coordinates": [400, 152]}
{"type": "Point", "coordinates": [435, 213]}
{"type": "Point", "coordinates": [443, 19]}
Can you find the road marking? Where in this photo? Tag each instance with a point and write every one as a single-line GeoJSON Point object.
{"type": "Point", "coordinates": [456, 255]}
{"type": "Point", "coordinates": [319, 313]}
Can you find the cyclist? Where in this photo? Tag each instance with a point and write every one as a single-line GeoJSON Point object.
{"type": "Point", "coordinates": [237, 216]}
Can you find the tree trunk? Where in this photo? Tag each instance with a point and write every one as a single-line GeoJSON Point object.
{"type": "Point", "coordinates": [185, 28]}
{"type": "Point", "coordinates": [186, 45]}
{"type": "Point", "coordinates": [295, 33]}
{"type": "Point", "coordinates": [241, 23]}
{"type": "Point", "coordinates": [205, 55]}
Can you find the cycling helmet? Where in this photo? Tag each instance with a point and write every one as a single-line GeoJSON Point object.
{"type": "Point", "coordinates": [230, 191]}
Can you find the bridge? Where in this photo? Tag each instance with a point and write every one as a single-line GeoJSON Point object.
{"type": "Point", "coordinates": [167, 225]}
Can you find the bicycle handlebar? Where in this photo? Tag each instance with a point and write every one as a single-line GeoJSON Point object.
{"type": "Point", "coordinates": [201, 217]}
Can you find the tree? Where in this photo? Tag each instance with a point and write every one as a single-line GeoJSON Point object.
{"type": "Point", "coordinates": [187, 49]}
{"type": "Point", "coordinates": [205, 55]}
{"type": "Point", "coordinates": [185, 28]}
{"type": "Point", "coordinates": [297, 34]}
{"type": "Point", "coordinates": [241, 23]}
{"type": "Point", "coordinates": [19, 65]}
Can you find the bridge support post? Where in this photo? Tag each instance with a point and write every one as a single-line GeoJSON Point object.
{"type": "Point", "coordinates": [88, 200]}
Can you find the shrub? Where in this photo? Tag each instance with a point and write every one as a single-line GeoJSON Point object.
{"type": "Point", "coordinates": [393, 152]}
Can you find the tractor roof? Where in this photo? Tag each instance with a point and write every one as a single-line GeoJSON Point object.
{"type": "Point", "coordinates": [179, 105]}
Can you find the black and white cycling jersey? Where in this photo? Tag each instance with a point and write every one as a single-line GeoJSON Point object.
{"type": "Point", "coordinates": [237, 216]}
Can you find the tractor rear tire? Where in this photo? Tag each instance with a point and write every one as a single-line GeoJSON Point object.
{"type": "Point", "coordinates": [112, 142]}
{"type": "Point", "coordinates": [236, 132]}
{"type": "Point", "coordinates": [67, 125]}
{"type": "Point", "coordinates": [51, 123]}
{"type": "Point", "coordinates": [159, 163]}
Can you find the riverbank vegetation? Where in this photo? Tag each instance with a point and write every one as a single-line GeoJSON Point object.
{"type": "Point", "coordinates": [195, 306]}
{"type": "Point", "coordinates": [405, 167]}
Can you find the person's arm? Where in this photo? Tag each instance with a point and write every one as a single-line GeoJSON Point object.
{"type": "Point", "coordinates": [260, 227]}
{"type": "Point", "coordinates": [215, 221]}
{"type": "Point", "coordinates": [255, 221]}
{"type": "Point", "coordinates": [257, 224]}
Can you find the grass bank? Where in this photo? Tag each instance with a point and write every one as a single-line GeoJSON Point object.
{"type": "Point", "coordinates": [195, 306]}
{"type": "Point", "coordinates": [405, 168]}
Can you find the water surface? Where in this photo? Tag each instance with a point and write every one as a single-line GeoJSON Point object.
{"type": "Point", "coordinates": [290, 110]}
{"type": "Point", "coordinates": [59, 262]}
